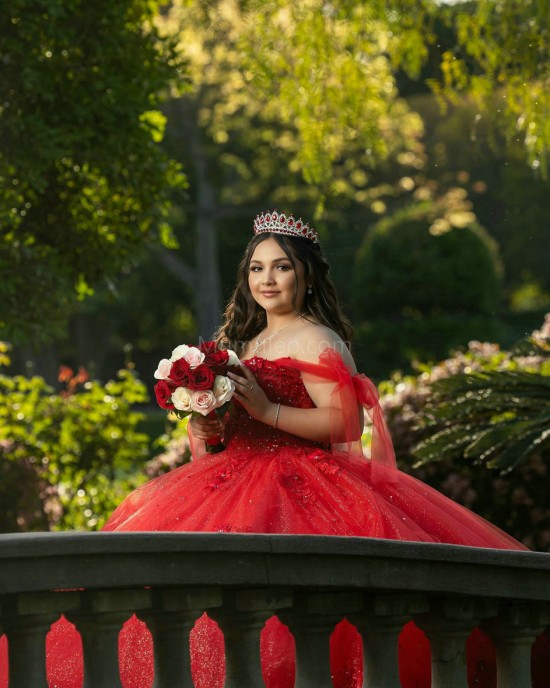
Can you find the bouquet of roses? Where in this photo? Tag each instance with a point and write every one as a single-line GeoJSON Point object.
{"type": "Point", "coordinates": [194, 381]}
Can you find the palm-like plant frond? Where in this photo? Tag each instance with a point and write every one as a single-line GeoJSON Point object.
{"type": "Point", "coordinates": [498, 418]}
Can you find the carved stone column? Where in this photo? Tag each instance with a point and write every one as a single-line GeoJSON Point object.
{"type": "Point", "coordinates": [99, 622]}
{"type": "Point", "coordinates": [26, 620]}
{"type": "Point", "coordinates": [170, 621]}
{"type": "Point", "coordinates": [513, 633]}
{"type": "Point", "coordinates": [312, 620]}
{"type": "Point", "coordinates": [380, 625]}
{"type": "Point", "coordinates": [242, 618]}
{"type": "Point", "coordinates": [448, 626]}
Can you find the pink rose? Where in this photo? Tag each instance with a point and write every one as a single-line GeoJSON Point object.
{"type": "Point", "coordinates": [163, 370]}
{"type": "Point", "coordinates": [203, 401]}
{"type": "Point", "coordinates": [194, 356]}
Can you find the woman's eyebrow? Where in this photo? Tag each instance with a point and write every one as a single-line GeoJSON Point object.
{"type": "Point", "coordinates": [276, 260]}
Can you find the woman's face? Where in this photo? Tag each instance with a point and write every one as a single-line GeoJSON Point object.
{"type": "Point", "coordinates": [272, 280]}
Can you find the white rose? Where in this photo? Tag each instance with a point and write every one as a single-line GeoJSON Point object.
{"type": "Point", "coordinates": [163, 370]}
{"type": "Point", "coordinates": [223, 389]}
{"type": "Point", "coordinates": [179, 352]}
{"type": "Point", "coordinates": [193, 356]}
{"type": "Point", "coordinates": [203, 401]}
{"type": "Point", "coordinates": [233, 358]}
{"type": "Point", "coordinates": [182, 399]}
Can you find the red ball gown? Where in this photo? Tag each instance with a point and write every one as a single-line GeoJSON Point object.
{"type": "Point", "coordinates": [269, 481]}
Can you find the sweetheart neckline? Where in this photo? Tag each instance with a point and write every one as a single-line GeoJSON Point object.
{"type": "Point", "coordinates": [269, 360]}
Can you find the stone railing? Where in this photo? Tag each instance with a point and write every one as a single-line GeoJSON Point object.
{"type": "Point", "coordinates": [169, 579]}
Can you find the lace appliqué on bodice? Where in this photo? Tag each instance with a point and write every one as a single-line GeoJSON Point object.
{"type": "Point", "coordinates": [282, 385]}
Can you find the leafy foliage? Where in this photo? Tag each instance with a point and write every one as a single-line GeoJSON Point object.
{"type": "Point", "coordinates": [502, 56]}
{"type": "Point", "coordinates": [67, 459]}
{"type": "Point", "coordinates": [317, 75]}
{"type": "Point", "coordinates": [318, 63]}
{"type": "Point", "coordinates": [508, 198]}
{"type": "Point", "coordinates": [504, 476]}
{"type": "Point", "coordinates": [499, 417]}
{"type": "Point", "coordinates": [83, 180]}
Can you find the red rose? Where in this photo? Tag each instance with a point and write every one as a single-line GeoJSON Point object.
{"type": "Point", "coordinates": [163, 393]}
{"type": "Point", "coordinates": [201, 378]}
{"type": "Point", "coordinates": [208, 347]}
{"type": "Point", "coordinates": [217, 360]}
{"type": "Point", "coordinates": [179, 372]}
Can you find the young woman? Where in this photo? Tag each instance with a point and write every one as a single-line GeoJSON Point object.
{"type": "Point", "coordinates": [292, 463]}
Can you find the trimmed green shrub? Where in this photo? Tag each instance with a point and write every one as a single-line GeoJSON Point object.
{"type": "Point", "coordinates": [417, 262]}
{"type": "Point", "coordinates": [426, 279]}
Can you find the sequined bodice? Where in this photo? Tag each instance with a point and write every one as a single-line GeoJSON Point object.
{"type": "Point", "coordinates": [282, 385]}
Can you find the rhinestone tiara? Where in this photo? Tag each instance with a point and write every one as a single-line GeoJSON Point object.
{"type": "Point", "coordinates": [272, 221]}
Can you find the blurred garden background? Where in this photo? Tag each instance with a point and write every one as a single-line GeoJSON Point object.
{"type": "Point", "coordinates": [138, 140]}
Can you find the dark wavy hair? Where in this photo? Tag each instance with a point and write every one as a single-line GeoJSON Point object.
{"type": "Point", "coordinates": [244, 319]}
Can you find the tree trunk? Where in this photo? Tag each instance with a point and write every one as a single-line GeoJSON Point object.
{"type": "Point", "coordinates": [207, 290]}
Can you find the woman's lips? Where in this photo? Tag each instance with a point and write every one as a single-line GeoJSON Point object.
{"type": "Point", "coordinates": [270, 293]}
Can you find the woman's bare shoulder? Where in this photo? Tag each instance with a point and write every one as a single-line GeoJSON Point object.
{"type": "Point", "coordinates": [314, 338]}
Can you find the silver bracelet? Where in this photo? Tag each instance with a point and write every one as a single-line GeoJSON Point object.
{"type": "Point", "coordinates": [277, 415]}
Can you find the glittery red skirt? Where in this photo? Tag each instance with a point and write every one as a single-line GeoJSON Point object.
{"type": "Point", "coordinates": [288, 489]}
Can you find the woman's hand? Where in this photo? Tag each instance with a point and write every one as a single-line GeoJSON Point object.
{"type": "Point", "coordinates": [204, 428]}
{"type": "Point", "coordinates": [252, 396]}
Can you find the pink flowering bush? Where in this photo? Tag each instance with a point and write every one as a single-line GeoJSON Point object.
{"type": "Point", "coordinates": [516, 499]}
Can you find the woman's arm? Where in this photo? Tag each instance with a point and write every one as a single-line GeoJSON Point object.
{"type": "Point", "coordinates": [311, 424]}
{"type": "Point", "coordinates": [325, 423]}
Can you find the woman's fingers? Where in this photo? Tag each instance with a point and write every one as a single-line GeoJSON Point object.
{"type": "Point", "coordinates": [203, 428]}
{"type": "Point", "coordinates": [203, 422]}
{"type": "Point", "coordinates": [243, 383]}
{"type": "Point", "coordinates": [248, 374]}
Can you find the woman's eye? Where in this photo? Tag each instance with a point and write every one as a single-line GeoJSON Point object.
{"type": "Point", "coordinates": [284, 267]}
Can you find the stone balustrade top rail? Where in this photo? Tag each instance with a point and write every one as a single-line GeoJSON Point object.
{"type": "Point", "coordinates": [54, 561]}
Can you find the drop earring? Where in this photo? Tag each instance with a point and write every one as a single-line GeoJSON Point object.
{"type": "Point", "coordinates": [309, 290]}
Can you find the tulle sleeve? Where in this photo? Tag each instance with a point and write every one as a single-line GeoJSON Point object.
{"type": "Point", "coordinates": [348, 391]}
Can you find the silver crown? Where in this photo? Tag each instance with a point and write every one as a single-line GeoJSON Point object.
{"type": "Point", "coordinates": [272, 221]}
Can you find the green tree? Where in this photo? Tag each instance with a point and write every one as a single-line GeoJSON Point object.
{"type": "Point", "coordinates": [316, 81]}
{"type": "Point", "coordinates": [83, 181]}
{"type": "Point", "coordinates": [499, 57]}
{"type": "Point", "coordinates": [502, 61]}
{"type": "Point", "coordinates": [508, 198]}
{"type": "Point", "coordinates": [239, 133]}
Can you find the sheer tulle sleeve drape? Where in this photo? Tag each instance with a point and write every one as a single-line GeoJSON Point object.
{"type": "Point", "coordinates": [349, 391]}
